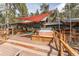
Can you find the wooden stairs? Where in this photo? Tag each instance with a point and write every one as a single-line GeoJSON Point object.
{"type": "Point", "coordinates": [18, 48]}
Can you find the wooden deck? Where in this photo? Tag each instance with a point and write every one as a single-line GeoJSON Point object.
{"type": "Point", "coordinates": [23, 46]}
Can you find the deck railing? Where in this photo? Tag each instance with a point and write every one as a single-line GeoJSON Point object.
{"type": "Point", "coordinates": [62, 45]}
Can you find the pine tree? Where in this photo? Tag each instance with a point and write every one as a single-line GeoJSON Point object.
{"type": "Point", "coordinates": [44, 8]}
{"type": "Point", "coordinates": [37, 12]}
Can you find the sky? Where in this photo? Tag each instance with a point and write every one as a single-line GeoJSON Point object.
{"type": "Point", "coordinates": [32, 7]}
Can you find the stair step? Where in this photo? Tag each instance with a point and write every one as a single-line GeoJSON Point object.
{"type": "Point", "coordinates": [28, 50]}
{"type": "Point", "coordinates": [35, 47]}
{"type": "Point", "coordinates": [8, 50]}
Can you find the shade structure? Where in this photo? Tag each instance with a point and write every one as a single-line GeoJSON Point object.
{"type": "Point", "coordinates": [73, 21]}
{"type": "Point", "coordinates": [36, 18]}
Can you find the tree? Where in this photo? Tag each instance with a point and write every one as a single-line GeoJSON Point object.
{"type": "Point", "coordinates": [31, 14]}
{"type": "Point", "coordinates": [54, 15]}
{"type": "Point", "coordinates": [44, 8]}
{"type": "Point", "coordinates": [37, 12]}
{"type": "Point", "coordinates": [72, 10]}
{"type": "Point", "coordinates": [0, 14]}
{"type": "Point", "coordinates": [11, 8]}
{"type": "Point", "coordinates": [22, 8]}
{"type": "Point", "coordinates": [2, 19]}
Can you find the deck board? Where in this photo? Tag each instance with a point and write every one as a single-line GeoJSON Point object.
{"type": "Point", "coordinates": [8, 50]}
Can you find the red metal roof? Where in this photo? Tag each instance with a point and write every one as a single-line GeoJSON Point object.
{"type": "Point", "coordinates": [36, 18]}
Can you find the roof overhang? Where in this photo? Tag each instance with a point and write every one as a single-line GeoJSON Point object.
{"type": "Point", "coordinates": [37, 18]}
{"type": "Point", "coordinates": [72, 21]}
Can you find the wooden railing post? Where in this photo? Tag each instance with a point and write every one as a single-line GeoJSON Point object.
{"type": "Point", "coordinates": [63, 45]}
{"type": "Point", "coordinates": [61, 53]}
{"type": "Point", "coordinates": [70, 50]}
{"type": "Point", "coordinates": [56, 41]}
{"type": "Point", "coordinates": [12, 31]}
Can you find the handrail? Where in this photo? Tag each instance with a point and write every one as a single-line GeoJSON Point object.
{"type": "Point", "coordinates": [65, 45]}
{"type": "Point", "coordinates": [61, 44]}
{"type": "Point", "coordinates": [70, 50]}
{"type": "Point", "coordinates": [42, 36]}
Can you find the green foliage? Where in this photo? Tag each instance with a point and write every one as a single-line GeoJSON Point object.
{"type": "Point", "coordinates": [11, 12]}
{"type": "Point", "coordinates": [22, 8]}
{"type": "Point", "coordinates": [44, 8]}
{"type": "Point", "coordinates": [31, 14]}
{"type": "Point", "coordinates": [37, 12]}
{"type": "Point", "coordinates": [54, 15]}
{"type": "Point", "coordinates": [71, 10]}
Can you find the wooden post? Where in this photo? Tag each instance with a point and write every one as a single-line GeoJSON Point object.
{"type": "Point", "coordinates": [56, 41]}
{"type": "Point", "coordinates": [4, 35]}
{"type": "Point", "coordinates": [12, 31]}
{"type": "Point", "coordinates": [64, 39]}
{"type": "Point", "coordinates": [61, 53]}
{"type": "Point", "coordinates": [70, 50]}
